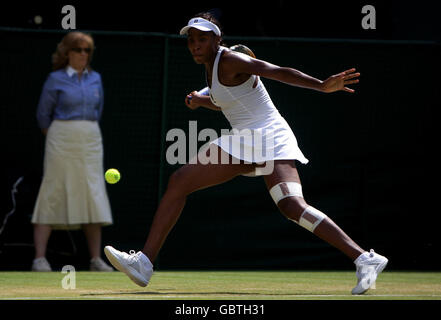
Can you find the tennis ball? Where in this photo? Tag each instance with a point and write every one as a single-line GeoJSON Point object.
{"type": "Point", "coordinates": [112, 176]}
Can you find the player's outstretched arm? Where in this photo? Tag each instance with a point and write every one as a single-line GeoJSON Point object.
{"type": "Point", "coordinates": [291, 76]}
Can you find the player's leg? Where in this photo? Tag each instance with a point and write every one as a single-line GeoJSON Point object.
{"type": "Point", "coordinates": [294, 206]}
{"type": "Point", "coordinates": [189, 178]}
{"type": "Point", "coordinates": [285, 188]}
{"type": "Point", "coordinates": [184, 181]}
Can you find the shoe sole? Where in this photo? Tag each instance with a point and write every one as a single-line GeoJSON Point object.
{"type": "Point", "coordinates": [132, 274]}
{"type": "Point", "coordinates": [378, 270]}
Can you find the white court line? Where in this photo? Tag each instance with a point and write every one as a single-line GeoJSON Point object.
{"type": "Point", "coordinates": [194, 296]}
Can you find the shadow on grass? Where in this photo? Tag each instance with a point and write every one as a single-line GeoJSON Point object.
{"type": "Point", "coordinates": [186, 293]}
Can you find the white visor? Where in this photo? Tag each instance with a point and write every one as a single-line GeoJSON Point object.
{"type": "Point", "coordinates": [200, 24]}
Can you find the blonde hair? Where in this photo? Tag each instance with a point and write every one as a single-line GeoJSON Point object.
{"type": "Point", "coordinates": [71, 40]}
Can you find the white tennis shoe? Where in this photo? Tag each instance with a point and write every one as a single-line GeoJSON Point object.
{"type": "Point", "coordinates": [369, 266]}
{"type": "Point", "coordinates": [135, 265]}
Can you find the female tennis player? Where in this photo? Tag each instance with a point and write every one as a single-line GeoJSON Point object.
{"type": "Point", "coordinates": [230, 77]}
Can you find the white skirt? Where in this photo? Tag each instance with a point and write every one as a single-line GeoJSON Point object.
{"type": "Point", "coordinates": [73, 190]}
{"type": "Point", "coordinates": [275, 141]}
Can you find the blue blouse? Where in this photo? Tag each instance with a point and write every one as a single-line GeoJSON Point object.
{"type": "Point", "coordinates": [65, 97]}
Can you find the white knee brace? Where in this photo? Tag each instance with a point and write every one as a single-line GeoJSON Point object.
{"type": "Point", "coordinates": [283, 190]}
{"type": "Point", "coordinates": [311, 217]}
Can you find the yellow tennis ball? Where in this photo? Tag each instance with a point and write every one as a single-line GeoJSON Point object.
{"type": "Point", "coordinates": [112, 176]}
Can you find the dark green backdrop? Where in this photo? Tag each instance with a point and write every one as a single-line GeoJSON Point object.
{"type": "Point", "coordinates": [372, 153]}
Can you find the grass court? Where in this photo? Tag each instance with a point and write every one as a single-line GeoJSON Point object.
{"type": "Point", "coordinates": [219, 285]}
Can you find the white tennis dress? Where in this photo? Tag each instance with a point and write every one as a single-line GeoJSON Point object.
{"type": "Point", "coordinates": [259, 133]}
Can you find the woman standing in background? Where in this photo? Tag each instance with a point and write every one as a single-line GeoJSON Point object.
{"type": "Point", "coordinates": [72, 194]}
